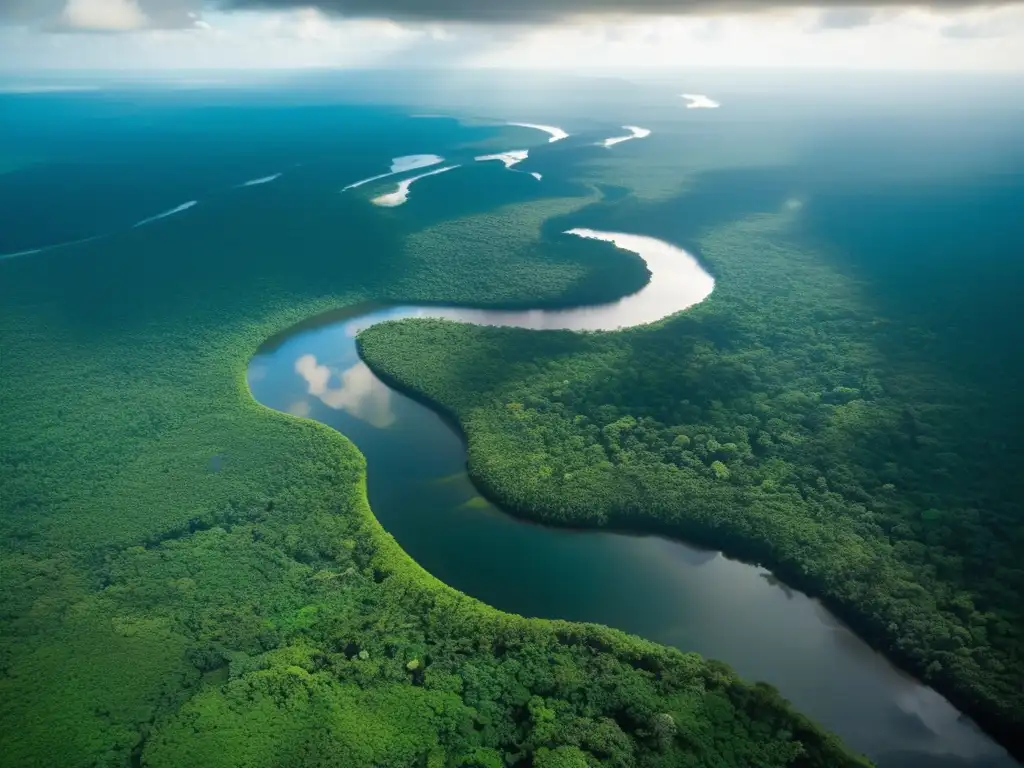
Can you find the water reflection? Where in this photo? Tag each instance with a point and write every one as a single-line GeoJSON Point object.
{"type": "Point", "coordinates": [300, 408]}
{"type": "Point", "coordinates": [697, 600]}
{"type": "Point", "coordinates": [256, 372]}
{"type": "Point", "coordinates": [358, 391]}
{"type": "Point", "coordinates": [401, 193]}
{"type": "Point", "coordinates": [677, 282]}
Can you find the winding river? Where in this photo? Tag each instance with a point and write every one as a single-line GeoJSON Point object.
{"type": "Point", "coordinates": [694, 599]}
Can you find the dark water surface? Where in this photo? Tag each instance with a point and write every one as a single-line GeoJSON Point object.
{"type": "Point", "coordinates": [696, 600]}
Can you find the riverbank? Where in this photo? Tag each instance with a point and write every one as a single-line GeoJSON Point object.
{"type": "Point", "coordinates": [192, 579]}
{"type": "Point", "coordinates": [520, 417]}
{"type": "Point", "coordinates": [397, 439]}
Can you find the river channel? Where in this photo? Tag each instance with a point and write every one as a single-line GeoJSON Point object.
{"type": "Point", "coordinates": [667, 591]}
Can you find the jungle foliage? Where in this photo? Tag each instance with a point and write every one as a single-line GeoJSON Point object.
{"type": "Point", "coordinates": [188, 578]}
{"type": "Point", "coordinates": [792, 419]}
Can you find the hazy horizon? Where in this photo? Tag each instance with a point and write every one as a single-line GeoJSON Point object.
{"type": "Point", "coordinates": [137, 35]}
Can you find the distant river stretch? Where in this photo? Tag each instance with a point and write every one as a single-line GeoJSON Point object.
{"type": "Point", "coordinates": [696, 600]}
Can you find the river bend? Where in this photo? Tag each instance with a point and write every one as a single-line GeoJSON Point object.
{"type": "Point", "coordinates": [667, 591]}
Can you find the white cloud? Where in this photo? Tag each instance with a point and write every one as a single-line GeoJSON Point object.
{"type": "Point", "coordinates": [250, 40]}
{"type": "Point", "coordinates": [846, 18]}
{"type": "Point", "coordinates": [908, 39]}
{"type": "Point", "coordinates": [103, 15]}
{"type": "Point", "coordinates": [902, 39]}
{"type": "Point", "coordinates": [360, 392]}
{"type": "Point", "coordinates": [992, 23]}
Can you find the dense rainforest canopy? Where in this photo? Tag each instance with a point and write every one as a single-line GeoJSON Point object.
{"type": "Point", "coordinates": [820, 413]}
{"type": "Point", "coordinates": [188, 578]}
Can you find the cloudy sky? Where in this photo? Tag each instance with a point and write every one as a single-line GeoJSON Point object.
{"type": "Point", "coordinates": [576, 34]}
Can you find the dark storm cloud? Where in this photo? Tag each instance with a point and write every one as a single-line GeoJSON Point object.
{"type": "Point", "coordinates": [845, 18]}
{"type": "Point", "coordinates": [48, 14]}
{"type": "Point", "coordinates": [29, 11]}
{"type": "Point", "coordinates": [836, 14]}
{"type": "Point", "coordinates": [538, 11]}
{"type": "Point", "coordinates": [171, 13]}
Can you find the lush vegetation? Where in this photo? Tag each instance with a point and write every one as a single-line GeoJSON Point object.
{"type": "Point", "coordinates": [188, 578]}
{"type": "Point", "coordinates": [793, 419]}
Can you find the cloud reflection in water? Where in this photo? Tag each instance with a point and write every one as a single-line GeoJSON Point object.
{"type": "Point", "coordinates": [361, 394]}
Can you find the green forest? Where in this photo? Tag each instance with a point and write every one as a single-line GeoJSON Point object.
{"type": "Point", "coordinates": [795, 419]}
{"type": "Point", "coordinates": [188, 578]}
